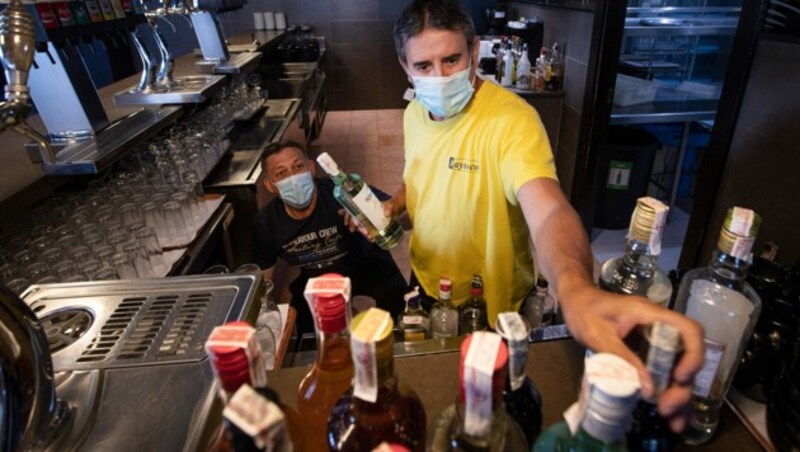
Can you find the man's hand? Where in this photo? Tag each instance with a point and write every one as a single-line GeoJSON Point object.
{"type": "Point", "coordinates": [601, 320]}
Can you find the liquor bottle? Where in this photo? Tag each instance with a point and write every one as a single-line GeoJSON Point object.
{"type": "Point", "coordinates": [377, 407]}
{"type": "Point", "coordinates": [636, 272]}
{"type": "Point", "coordinates": [650, 432]}
{"type": "Point", "coordinates": [539, 306]}
{"type": "Point", "coordinates": [472, 314]}
{"type": "Point", "coordinates": [555, 77]}
{"type": "Point", "coordinates": [332, 372]}
{"type": "Point", "coordinates": [413, 324]}
{"type": "Point", "coordinates": [540, 72]}
{"type": "Point", "coordinates": [597, 422]}
{"type": "Point", "coordinates": [444, 316]}
{"type": "Point", "coordinates": [235, 357]}
{"type": "Point", "coordinates": [508, 67]}
{"type": "Point", "coordinates": [522, 399]}
{"type": "Point", "coordinates": [709, 295]}
{"type": "Point", "coordinates": [254, 421]}
{"type": "Point", "coordinates": [478, 421]}
{"type": "Point", "coordinates": [362, 204]}
{"type": "Point", "coordinates": [524, 70]}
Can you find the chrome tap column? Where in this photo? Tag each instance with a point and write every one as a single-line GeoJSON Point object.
{"type": "Point", "coordinates": [17, 47]}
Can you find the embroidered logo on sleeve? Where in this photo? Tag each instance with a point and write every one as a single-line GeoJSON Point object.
{"type": "Point", "coordinates": [469, 166]}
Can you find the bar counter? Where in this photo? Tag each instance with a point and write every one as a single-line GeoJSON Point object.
{"type": "Point", "coordinates": [556, 367]}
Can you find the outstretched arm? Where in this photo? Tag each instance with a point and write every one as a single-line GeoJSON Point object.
{"type": "Point", "coordinates": [598, 319]}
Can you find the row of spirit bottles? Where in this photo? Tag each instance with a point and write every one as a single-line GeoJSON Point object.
{"type": "Point", "coordinates": [444, 320]}
{"type": "Point", "coordinates": [717, 297]}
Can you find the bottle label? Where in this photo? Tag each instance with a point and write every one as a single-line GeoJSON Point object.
{"type": "Point", "coordinates": [478, 371]}
{"type": "Point", "coordinates": [94, 11]}
{"type": "Point", "coordinates": [47, 15]}
{"type": "Point", "coordinates": [64, 14]}
{"type": "Point", "coordinates": [107, 9]}
{"type": "Point", "coordinates": [413, 336]}
{"type": "Point", "coordinates": [80, 13]}
{"type": "Point", "coordinates": [704, 380]}
{"type": "Point", "coordinates": [256, 416]}
{"type": "Point", "coordinates": [365, 386]}
{"type": "Point", "coordinates": [127, 5]}
{"type": "Point", "coordinates": [371, 207]}
{"type": "Point", "coordinates": [119, 11]}
{"type": "Point", "coordinates": [516, 334]}
{"type": "Point", "coordinates": [413, 319]}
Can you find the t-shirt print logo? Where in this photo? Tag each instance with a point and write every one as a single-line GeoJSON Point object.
{"type": "Point", "coordinates": [469, 166]}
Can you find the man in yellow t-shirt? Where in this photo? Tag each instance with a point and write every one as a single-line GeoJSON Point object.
{"type": "Point", "coordinates": [479, 183]}
{"type": "Point", "coordinates": [462, 175]}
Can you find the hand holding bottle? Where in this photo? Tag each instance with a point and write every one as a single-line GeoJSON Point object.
{"type": "Point", "coordinates": [601, 321]}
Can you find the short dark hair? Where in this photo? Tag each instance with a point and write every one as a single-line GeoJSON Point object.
{"type": "Point", "coordinates": [277, 146]}
{"type": "Point", "coordinates": [438, 14]}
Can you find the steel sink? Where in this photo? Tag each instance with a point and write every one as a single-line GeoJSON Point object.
{"type": "Point", "coordinates": [128, 356]}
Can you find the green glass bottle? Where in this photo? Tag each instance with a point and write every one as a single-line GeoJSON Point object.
{"type": "Point", "coordinates": [362, 204]}
{"type": "Point", "coordinates": [610, 392]}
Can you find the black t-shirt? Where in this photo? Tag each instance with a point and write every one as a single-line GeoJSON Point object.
{"type": "Point", "coordinates": [318, 244]}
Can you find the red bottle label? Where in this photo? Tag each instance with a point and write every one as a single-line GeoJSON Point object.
{"type": "Point", "coordinates": [48, 16]}
{"type": "Point", "coordinates": [127, 5]}
{"type": "Point", "coordinates": [64, 14]}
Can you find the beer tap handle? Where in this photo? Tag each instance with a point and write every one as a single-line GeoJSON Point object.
{"type": "Point", "coordinates": [148, 78]}
{"type": "Point", "coordinates": [167, 64]}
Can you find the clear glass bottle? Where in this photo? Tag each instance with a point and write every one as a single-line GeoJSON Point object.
{"type": "Point", "coordinates": [472, 313]}
{"type": "Point", "coordinates": [455, 430]}
{"type": "Point", "coordinates": [727, 307]}
{"type": "Point", "coordinates": [658, 347]}
{"type": "Point", "coordinates": [522, 398]}
{"type": "Point", "coordinates": [636, 272]}
{"type": "Point", "coordinates": [598, 422]}
{"type": "Point", "coordinates": [444, 316]}
{"type": "Point", "coordinates": [362, 204]}
{"type": "Point", "coordinates": [413, 324]}
{"type": "Point", "coordinates": [377, 408]}
{"type": "Point", "coordinates": [331, 374]}
{"type": "Point", "coordinates": [539, 306]}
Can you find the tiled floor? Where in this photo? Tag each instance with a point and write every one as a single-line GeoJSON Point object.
{"type": "Point", "coordinates": [370, 143]}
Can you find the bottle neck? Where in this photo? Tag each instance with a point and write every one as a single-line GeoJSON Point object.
{"type": "Point", "coordinates": [604, 429]}
{"type": "Point", "coordinates": [387, 385]}
{"type": "Point", "coordinates": [333, 350]}
{"type": "Point", "coordinates": [445, 300]}
{"type": "Point", "coordinates": [639, 257]}
{"type": "Point", "coordinates": [728, 267]}
{"type": "Point", "coordinates": [339, 178]}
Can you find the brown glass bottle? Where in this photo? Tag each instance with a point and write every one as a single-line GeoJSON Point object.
{"type": "Point", "coordinates": [395, 416]}
{"type": "Point", "coordinates": [331, 374]}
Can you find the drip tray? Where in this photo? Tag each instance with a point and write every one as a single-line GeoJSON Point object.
{"type": "Point", "coordinates": [135, 323]}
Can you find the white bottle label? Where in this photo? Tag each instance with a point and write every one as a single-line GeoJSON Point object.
{"type": "Point", "coordinates": [704, 380]}
{"type": "Point", "coordinates": [664, 344]}
{"type": "Point", "coordinates": [413, 320]}
{"type": "Point", "coordinates": [365, 386]}
{"type": "Point", "coordinates": [516, 334]}
{"type": "Point", "coordinates": [256, 416]}
{"type": "Point", "coordinates": [371, 207]}
{"type": "Point", "coordinates": [478, 371]}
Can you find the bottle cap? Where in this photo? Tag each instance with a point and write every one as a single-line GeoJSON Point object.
{"type": "Point", "coordinates": [739, 232]}
{"type": "Point", "coordinates": [647, 223]}
{"type": "Point", "coordinates": [330, 312]}
{"type": "Point", "coordinates": [476, 289]}
{"type": "Point", "coordinates": [328, 164]}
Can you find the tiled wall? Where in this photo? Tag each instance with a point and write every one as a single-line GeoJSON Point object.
{"type": "Point", "coordinates": [573, 30]}
{"type": "Point", "coordinates": [764, 160]}
{"type": "Point", "coordinates": [363, 72]}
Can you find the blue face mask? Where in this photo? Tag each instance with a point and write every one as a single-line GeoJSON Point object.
{"type": "Point", "coordinates": [444, 96]}
{"type": "Point", "coordinates": [296, 190]}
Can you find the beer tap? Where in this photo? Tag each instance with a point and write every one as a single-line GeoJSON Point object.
{"type": "Point", "coordinates": [164, 77]}
{"type": "Point", "coordinates": [17, 46]}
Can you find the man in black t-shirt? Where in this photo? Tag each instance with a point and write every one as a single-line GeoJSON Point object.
{"type": "Point", "coordinates": [302, 225]}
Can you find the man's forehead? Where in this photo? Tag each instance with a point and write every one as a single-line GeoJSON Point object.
{"type": "Point", "coordinates": [432, 44]}
{"type": "Point", "coordinates": [286, 155]}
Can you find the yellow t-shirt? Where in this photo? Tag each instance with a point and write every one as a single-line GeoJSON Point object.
{"type": "Point", "coordinates": [462, 176]}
